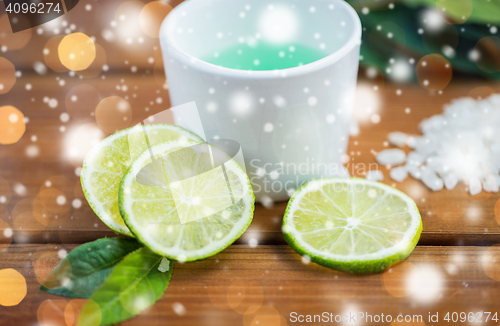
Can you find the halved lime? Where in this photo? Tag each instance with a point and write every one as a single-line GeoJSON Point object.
{"type": "Point", "coordinates": [352, 224]}
{"type": "Point", "coordinates": [105, 165]}
{"type": "Point", "coordinates": [186, 208]}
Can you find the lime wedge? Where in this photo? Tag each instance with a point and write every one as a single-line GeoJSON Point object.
{"type": "Point", "coordinates": [105, 165]}
{"type": "Point", "coordinates": [184, 207]}
{"type": "Point", "coordinates": [351, 224]}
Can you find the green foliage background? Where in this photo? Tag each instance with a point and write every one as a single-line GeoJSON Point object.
{"type": "Point", "coordinates": [404, 18]}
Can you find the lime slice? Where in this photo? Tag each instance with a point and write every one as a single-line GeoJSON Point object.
{"type": "Point", "coordinates": [352, 225]}
{"type": "Point", "coordinates": [105, 165]}
{"type": "Point", "coordinates": [197, 211]}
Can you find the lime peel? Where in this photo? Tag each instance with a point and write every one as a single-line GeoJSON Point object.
{"type": "Point", "coordinates": [151, 214]}
{"type": "Point", "coordinates": [325, 228]}
{"type": "Point", "coordinates": [100, 181]}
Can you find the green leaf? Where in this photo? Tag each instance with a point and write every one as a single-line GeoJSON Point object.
{"type": "Point", "coordinates": [86, 267]}
{"type": "Point", "coordinates": [134, 285]}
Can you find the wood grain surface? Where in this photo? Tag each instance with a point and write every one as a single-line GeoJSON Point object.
{"type": "Point", "coordinates": [272, 280]}
{"type": "Point", "coordinates": [449, 217]}
{"type": "Point", "coordinates": [454, 267]}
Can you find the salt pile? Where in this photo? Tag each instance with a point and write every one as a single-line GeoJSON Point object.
{"type": "Point", "coordinates": [461, 145]}
{"type": "Point", "coordinates": [374, 175]}
{"type": "Point", "coordinates": [393, 156]}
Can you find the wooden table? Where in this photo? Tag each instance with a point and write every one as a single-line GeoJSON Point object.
{"type": "Point", "coordinates": [455, 267]}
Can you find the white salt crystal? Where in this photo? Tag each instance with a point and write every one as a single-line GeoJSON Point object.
{"type": "Point", "coordinates": [460, 145]}
{"type": "Point", "coordinates": [415, 159]}
{"type": "Point", "coordinates": [399, 173]}
{"type": "Point", "coordinates": [374, 175]}
{"type": "Point", "coordinates": [392, 156]}
{"type": "Point", "coordinates": [474, 186]}
{"type": "Point", "coordinates": [179, 308]}
{"type": "Point", "coordinates": [433, 123]}
{"type": "Point", "coordinates": [431, 180]}
{"type": "Point", "coordinates": [490, 184]}
{"type": "Point", "coordinates": [397, 138]}
{"type": "Point", "coordinates": [438, 165]}
{"type": "Point", "coordinates": [164, 265]}
{"type": "Point", "coordinates": [450, 181]}
{"type": "Point", "coordinates": [414, 171]}
{"type": "Point", "coordinates": [411, 141]}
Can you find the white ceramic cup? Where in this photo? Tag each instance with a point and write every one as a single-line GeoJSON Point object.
{"type": "Point", "coordinates": [293, 124]}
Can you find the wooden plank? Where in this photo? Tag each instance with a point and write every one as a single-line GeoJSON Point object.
{"type": "Point", "coordinates": [449, 217]}
{"type": "Point", "coordinates": [118, 57]}
{"type": "Point", "coordinates": [218, 290]}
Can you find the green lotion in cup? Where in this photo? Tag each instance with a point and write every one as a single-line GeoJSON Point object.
{"type": "Point", "coordinates": [264, 56]}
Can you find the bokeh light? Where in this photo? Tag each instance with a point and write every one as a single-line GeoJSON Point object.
{"type": "Point", "coordinates": [152, 15]}
{"type": "Point", "coordinates": [425, 283]}
{"type": "Point", "coordinates": [59, 182]}
{"type": "Point", "coordinates": [24, 219]}
{"type": "Point", "coordinates": [217, 294]}
{"type": "Point", "coordinates": [12, 125]}
{"type": "Point", "coordinates": [89, 308]}
{"type": "Point", "coordinates": [278, 24]}
{"type": "Point", "coordinates": [474, 214]}
{"type": "Point", "coordinates": [481, 92]}
{"type": "Point", "coordinates": [446, 40]}
{"type": "Point", "coordinates": [7, 75]}
{"type": "Point", "coordinates": [179, 308]}
{"type": "Point", "coordinates": [5, 193]}
{"type": "Point", "coordinates": [81, 101]}
{"type": "Point", "coordinates": [384, 33]}
{"type": "Point", "coordinates": [13, 287]}
{"type": "Point", "coordinates": [72, 311]}
{"type": "Point", "coordinates": [113, 113]}
{"type": "Point", "coordinates": [90, 16]}
{"type": "Point", "coordinates": [51, 55]}
{"type": "Point", "coordinates": [79, 140]}
{"type": "Point", "coordinates": [432, 20]}
{"type": "Point", "coordinates": [366, 104]}
{"type": "Point", "coordinates": [375, 75]}
{"type": "Point", "coordinates": [51, 312]}
{"type": "Point", "coordinates": [45, 264]}
{"type": "Point", "coordinates": [55, 200]}
{"type": "Point", "coordinates": [434, 72]}
{"type": "Point", "coordinates": [128, 27]}
{"type": "Point", "coordinates": [5, 235]}
{"type": "Point", "coordinates": [13, 41]}
{"type": "Point", "coordinates": [400, 71]}
{"type": "Point", "coordinates": [76, 51]}
{"type": "Point", "coordinates": [487, 54]}
{"type": "Point", "coordinates": [491, 262]}
{"type": "Point", "coordinates": [453, 11]}
{"type": "Point", "coordinates": [245, 296]}
{"type": "Point", "coordinates": [97, 66]}
{"type": "Point", "coordinates": [395, 277]}
{"type": "Point", "coordinates": [44, 215]}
